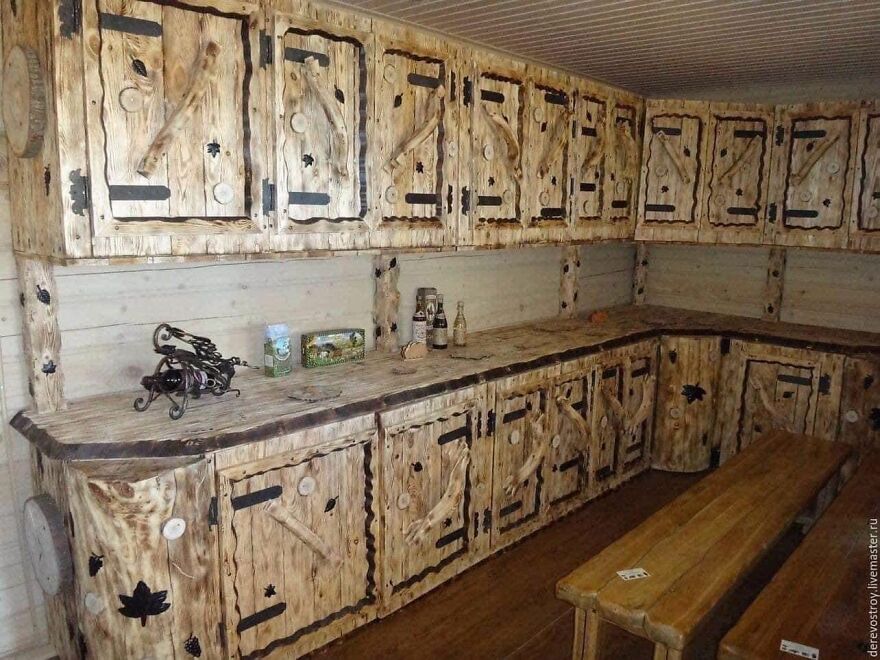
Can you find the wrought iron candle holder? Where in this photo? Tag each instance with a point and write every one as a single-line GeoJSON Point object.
{"type": "Point", "coordinates": [183, 374]}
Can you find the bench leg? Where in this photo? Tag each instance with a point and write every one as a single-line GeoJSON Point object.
{"type": "Point", "coordinates": [586, 636]}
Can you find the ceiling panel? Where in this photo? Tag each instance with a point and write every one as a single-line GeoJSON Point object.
{"type": "Point", "coordinates": [736, 49]}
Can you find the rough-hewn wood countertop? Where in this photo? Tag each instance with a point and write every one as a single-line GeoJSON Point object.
{"type": "Point", "coordinates": [107, 426]}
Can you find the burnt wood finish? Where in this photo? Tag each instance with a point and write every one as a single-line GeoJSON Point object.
{"type": "Point", "coordinates": [860, 402]}
{"type": "Point", "coordinates": [864, 229]}
{"type": "Point", "coordinates": [263, 411]}
{"type": "Point", "coordinates": [699, 549]}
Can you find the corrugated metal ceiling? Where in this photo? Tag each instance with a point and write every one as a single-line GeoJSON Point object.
{"type": "Point", "coordinates": [690, 48]}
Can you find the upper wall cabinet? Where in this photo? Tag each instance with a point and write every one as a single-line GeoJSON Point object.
{"type": "Point", "coordinates": [415, 163]}
{"type": "Point", "coordinates": [737, 173]}
{"type": "Point", "coordinates": [672, 164]}
{"type": "Point", "coordinates": [172, 91]}
{"type": "Point", "coordinates": [545, 160]}
{"type": "Point", "coordinates": [814, 160]}
{"type": "Point", "coordinates": [322, 95]}
{"type": "Point", "coordinates": [864, 231]}
{"type": "Point", "coordinates": [491, 135]}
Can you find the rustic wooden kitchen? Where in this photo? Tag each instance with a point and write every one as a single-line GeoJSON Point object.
{"type": "Point", "coordinates": [240, 424]}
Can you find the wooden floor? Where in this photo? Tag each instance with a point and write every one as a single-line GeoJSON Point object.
{"type": "Point", "coordinates": [505, 607]}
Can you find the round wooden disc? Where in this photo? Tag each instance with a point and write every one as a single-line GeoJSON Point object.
{"type": "Point", "coordinates": [223, 193]}
{"type": "Point", "coordinates": [24, 102]}
{"type": "Point", "coordinates": [299, 122]}
{"type": "Point", "coordinates": [47, 544]}
{"type": "Point", "coordinates": [131, 99]}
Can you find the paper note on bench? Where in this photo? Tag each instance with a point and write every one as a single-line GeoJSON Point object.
{"type": "Point", "coordinates": [633, 574]}
{"type": "Point", "coordinates": [799, 649]}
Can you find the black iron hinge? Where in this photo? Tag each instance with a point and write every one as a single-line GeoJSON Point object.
{"type": "Point", "coordinates": [213, 513]}
{"type": "Point", "coordinates": [467, 92]}
{"type": "Point", "coordinates": [69, 18]}
{"type": "Point", "coordinates": [266, 50]}
{"type": "Point", "coordinates": [268, 196]}
{"type": "Point", "coordinates": [79, 192]}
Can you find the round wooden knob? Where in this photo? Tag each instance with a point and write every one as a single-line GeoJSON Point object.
{"type": "Point", "coordinates": [538, 114]}
{"type": "Point", "coordinates": [391, 195]}
{"type": "Point", "coordinates": [488, 151]}
{"type": "Point", "coordinates": [544, 198]}
{"type": "Point", "coordinates": [555, 442]}
{"type": "Point", "coordinates": [306, 486]}
{"type": "Point", "coordinates": [452, 148]}
{"type": "Point", "coordinates": [389, 73]}
{"type": "Point", "coordinates": [661, 170]}
{"type": "Point", "coordinates": [403, 501]}
{"type": "Point", "coordinates": [805, 195]}
{"type": "Point", "coordinates": [507, 197]}
{"type": "Point", "coordinates": [47, 544]}
{"type": "Point", "coordinates": [131, 99]}
{"type": "Point", "coordinates": [832, 168]}
{"type": "Point", "coordinates": [173, 528]}
{"type": "Point", "coordinates": [588, 206]}
{"type": "Point", "coordinates": [674, 413]}
{"type": "Point", "coordinates": [94, 603]}
{"type": "Point", "coordinates": [24, 102]}
{"type": "Point", "coordinates": [223, 193]}
{"type": "Point", "coordinates": [620, 188]}
{"type": "Point", "coordinates": [851, 416]}
{"type": "Point", "coordinates": [515, 437]}
{"type": "Point", "coordinates": [299, 122]}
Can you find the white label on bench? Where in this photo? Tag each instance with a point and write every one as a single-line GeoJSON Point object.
{"type": "Point", "coordinates": [799, 649]}
{"type": "Point", "coordinates": [633, 574]}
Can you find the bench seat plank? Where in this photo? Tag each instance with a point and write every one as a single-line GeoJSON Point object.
{"type": "Point", "coordinates": [819, 597]}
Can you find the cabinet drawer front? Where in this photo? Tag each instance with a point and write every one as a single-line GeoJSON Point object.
{"type": "Point", "coordinates": [428, 494]}
{"type": "Point", "coordinates": [170, 124]}
{"type": "Point", "coordinates": [322, 150]}
{"type": "Point", "coordinates": [299, 545]}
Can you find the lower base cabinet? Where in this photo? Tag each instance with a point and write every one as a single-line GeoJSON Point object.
{"type": "Point", "coordinates": [860, 403]}
{"type": "Point", "coordinates": [436, 461]}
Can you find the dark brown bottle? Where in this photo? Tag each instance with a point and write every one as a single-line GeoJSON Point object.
{"type": "Point", "coordinates": [441, 328]}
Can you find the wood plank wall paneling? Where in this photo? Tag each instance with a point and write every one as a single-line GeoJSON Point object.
{"type": "Point", "coordinates": [832, 289]}
{"type": "Point", "coordinates": [605, 276]}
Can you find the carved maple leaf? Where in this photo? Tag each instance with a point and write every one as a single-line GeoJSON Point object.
{"type": "Point", "coordinates": [693, 393]}
{"type": "Point", "coordinates": [143, 603]}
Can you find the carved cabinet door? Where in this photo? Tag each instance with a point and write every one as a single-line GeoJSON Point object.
{"type": "Point", "coordinates": [763, 387]}
{"type": "Point", "coordinates": [177, 145]}
{"type": "Point", "coordinates": [435, 474]}
{"type": "Point", "coordinates": [322, 97]}
{"type": "Point", "coordinates": [492, 139]}
{"type": "Point", "coordinates": [522, 443]}
{"type": "Point", "coordinates": [547, 134]}
{"type": "Point", "coordinates": [299, 542]}
{"type": "Point", "coordinates": [860, 403]}
{"type": "Point", "coordinates": [672, 164]}
{"type": "Point", "coordinates": [414, 141]}
{"type": "Point", "coordinates": [737, 173]}
{"type": "Point", "coordinates": [589, 161]}
{"type": "Point", "coordinates": [623, 156]}
{"type": "Point", "coordinates": [864, 231]}
{"type": "Point", "coordinates": [566, 481]}
{"type": "Point", "coordinates": [686, 403]}
{"type": "Point", "coordinates": [623, 409]}
{"type": "Point", "coordinates": [814, 159]}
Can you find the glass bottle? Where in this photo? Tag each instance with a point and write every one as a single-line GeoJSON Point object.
{"type": "Point", "coordinates": [441, 328]}
{"type": "Point", "coordinates": [459, 328]}
{"type": "Point", "coordinates": [419, 325]}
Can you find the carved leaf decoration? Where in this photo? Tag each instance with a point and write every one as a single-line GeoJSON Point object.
{"type": "Point", "coordinates": [43, 295]}
{"type": "Point", "coordinates": [875, 419]}
{"type": "Point", "coordinates": [96, 563]}
{"type": "Point", "coordinates": [331, 504]}
{"type": "Point", "coordinates": [139, 68]}
{"type": "Point", "coordinates": [143, 603]}
{"type": "Point", "coordinates": [339, 95]}
{"type": "Point", "coordinates": [192, 646]}
{"type": "Point", "coordinates": [398, 100]}
{"type": "Point", "coordinates": [269, 591]}
{"type": "Point", "coordinates": [693, 393]}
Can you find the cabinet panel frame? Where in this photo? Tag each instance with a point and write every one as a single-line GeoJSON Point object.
{"type": "Point", "coordinates": [866, 188]}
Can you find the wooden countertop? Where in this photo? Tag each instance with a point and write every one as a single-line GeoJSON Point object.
{"type": "Point", "coordinates": [107, 426]}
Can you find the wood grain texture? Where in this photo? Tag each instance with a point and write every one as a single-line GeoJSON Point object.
{"type": "Point", "coordinates": [568, 281]}
{"type": "Point", "coordinates": [686, 548]}
{"type": "Point", "coordinates": [640, 274]}
{"type": "Point", "coordinates": [828, 569]}
{"type": "Point", "coordinates": [386, 303]}
{"type": "Point", "coordinates": [774, 288]}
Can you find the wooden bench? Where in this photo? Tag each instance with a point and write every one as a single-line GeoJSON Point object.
{"type": "Point", "coordinates": [819, 598]}
{"type": "Point", "coordinates": [700, 547]}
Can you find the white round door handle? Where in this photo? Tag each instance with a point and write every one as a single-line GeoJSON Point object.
{"type": "Point", "coordinates": [675, 413]}
{"type": "Point", "coordinates": [299, 122]}
{"type": "Point", "coordinates": [507, 197]}
{"type": "Point", "coordinates": [306, 486]}
{"type": "Point", "coordinates": [538, 114]}
{"type": "Point", "coordinates": [514, 437]}
{"type": "Point", "coordinates": [555, 442]}
{"type": "Point", "coordinates": [588, 207]}
{"type": "Point", "coordinates": [173, 528]}
{"type": "Point", "coordinates": [851, 416]}
{"type": "Point", "coordinates": [620, 187]}
{"type": "Point", "coordinates": [131, 99]}
{"type": "Point", "coordinates": [488, 151]}
{"type": "Point", "coordinates": [223, 193]}
{"type": "Point", "coordinates": [403, 501]}
{"type": "Point", "coordinates": [544, 198]}
{"type": "Point", "coordinates": [94, 603]}
{"type": "Point", "coordinates": [389, 73]}
{"type": "Point", "coordinates": [391, 195]}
